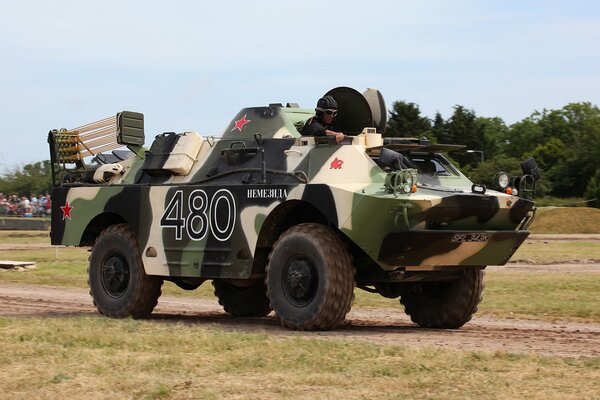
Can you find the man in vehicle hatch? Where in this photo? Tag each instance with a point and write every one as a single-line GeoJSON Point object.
{"type": "Point", "coordinates": [322, 124]}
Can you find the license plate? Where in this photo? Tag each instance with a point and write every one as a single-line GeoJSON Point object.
{"type": "Point", "coordinates": [469, 237]}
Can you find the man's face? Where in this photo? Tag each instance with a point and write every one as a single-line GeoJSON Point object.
{"type": "Point", "coordinates": [329, 115]}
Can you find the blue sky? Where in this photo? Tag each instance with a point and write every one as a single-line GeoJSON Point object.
{"type": "Point", "coordinates": [191, 65]}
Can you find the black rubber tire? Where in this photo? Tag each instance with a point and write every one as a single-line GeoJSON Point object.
{"type": "Point", "coordinates": [118, 283]}
{"type": "Point", "coordinates": [250, 301]}
{"type": "Point", "coordinates": [446, 305]}
{"type": "Point", "coordinates": [310, 278]}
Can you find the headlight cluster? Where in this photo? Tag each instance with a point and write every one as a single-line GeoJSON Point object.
{"type": "Point", "coordinates": [502, 182]}
{"type": "Point", "coordinates": [402, 181]}
{"type": "Point", "coordinates": [524, 185]}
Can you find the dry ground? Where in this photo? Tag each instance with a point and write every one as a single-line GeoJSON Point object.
{"type": "Point", "coordinates": [378, 326]}
{"type": "Point", "coordinates": [388, 326]}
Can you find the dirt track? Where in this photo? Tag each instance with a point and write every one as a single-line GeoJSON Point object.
{"type": "Point", "coordinates": [381, 326]}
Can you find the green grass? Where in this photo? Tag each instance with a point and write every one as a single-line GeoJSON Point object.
{"type": "Point", "coordinates": [547, 296]}
{"type": "Point", "coordinates": [550, 201]}
{"type": "Point", "coordinates": [552, 251]}
{"type": "Point", "coordinates": [567, 220]}
{"type": "Point", "coordinates": [67, 266]}
{"type": "Point", "coordinates": [24, 237]}
{"type": "Point", "coordinates": [87, 357]}
{"type": "Point", "coordinates": [54, 266]}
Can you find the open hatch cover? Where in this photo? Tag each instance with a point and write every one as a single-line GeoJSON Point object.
{"type": "Point", "coordinates": [357, 111]}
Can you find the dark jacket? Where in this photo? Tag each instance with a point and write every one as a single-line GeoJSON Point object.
{"type": "Point", "coordinates": [316, 127]}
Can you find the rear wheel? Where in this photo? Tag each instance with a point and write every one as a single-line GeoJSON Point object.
{"type": "Point", "coordinates": [445, 305]}
{"type": "Point", "coordinates": [118, 283]}
{"type": "Point", "coordinates": [310, 278]}
{"type": "Point", "coordinates": [249, 301]}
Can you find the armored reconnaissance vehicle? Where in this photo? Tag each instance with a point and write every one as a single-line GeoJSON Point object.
{"type": "Point", "coordinates": [280, 221]}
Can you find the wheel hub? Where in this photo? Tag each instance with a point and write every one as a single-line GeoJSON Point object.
{"type": "Point", "coordinates": [300, 281]}
{"type": "Point", "coordinates": [115, 275]}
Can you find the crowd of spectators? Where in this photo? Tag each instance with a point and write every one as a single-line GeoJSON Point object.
{"type": "Point", "coordinates": [23, 206]}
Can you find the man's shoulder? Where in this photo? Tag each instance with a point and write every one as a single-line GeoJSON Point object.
{"type": "Point", "coordinates": [312, 120]}
{"type": "Point", "coordinates": [314, 127]}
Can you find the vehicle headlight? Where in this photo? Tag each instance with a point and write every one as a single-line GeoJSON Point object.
{"type": "Point", "coordinates": [502, 180]}
{"type": "Point", "coordinates": [403, 181]}
{"type": "Point", "coordinates": [408, 178]}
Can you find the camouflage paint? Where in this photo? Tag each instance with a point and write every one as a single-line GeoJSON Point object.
{"type": "Point", "coordinates": [207, 223]}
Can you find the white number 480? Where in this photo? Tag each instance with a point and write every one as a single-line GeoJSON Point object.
{"type": "Point", "coordinates": [202, 216]}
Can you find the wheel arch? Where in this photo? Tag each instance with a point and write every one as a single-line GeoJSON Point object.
{"type": "Point", "coordinates": [283, 217]}
{"type": "Point", "coordinates": [97, 225]}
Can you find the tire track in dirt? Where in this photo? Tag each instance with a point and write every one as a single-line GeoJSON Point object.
{"type": "Point", "coordinates": [378, 326]}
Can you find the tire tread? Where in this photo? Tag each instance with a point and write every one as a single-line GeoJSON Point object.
{"type": "Point", "coordinates": [339, 289]}
{"type": "Point", "coordinates": [145, 297]}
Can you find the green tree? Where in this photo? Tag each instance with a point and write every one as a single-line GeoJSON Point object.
{"type": "Point", "coordinates": [582, 135]}
{"type": "Point", "coordinates": [565, 143]}
{"type": "Point", "coordinates": [406, 121]}
{"type": "Point", "coordinates": [486, 172]}
{"type": "Point", "coordinates": [494, 133]}
{"type": "Point", "coordinates": [523, 137]}
{"type": "Point", "coordinates": [31, 178]}
{"type": "Point", "coordinates": [462, 128]}
{"type": "Point", "coordinates": [439, 130]}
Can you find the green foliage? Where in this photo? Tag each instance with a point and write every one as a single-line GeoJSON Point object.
{"type": "Point", "coordinates": [565, 143]}
{"type": "Point", "coordinates": [524, 136]}
{"type": "Point", "coordinates": [438, 130]}
{"type": "Point", "coordinates": [592, 194]}
{"type": "Point", "coordinates": [494, 134]}
{"type": "Point", "coordinates": [406, 121]}
{"type": "Point", "coordinates": [487, 135]}
{"type": "Point", "coordinates": [33, 178]}
{"type": "Point", "coordinates": [486, 172]}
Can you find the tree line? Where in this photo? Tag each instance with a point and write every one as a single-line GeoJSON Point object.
{"type": "Point", "coordinates": [30, 179]}
{"type": "Point", "coordinates": [564, 142]}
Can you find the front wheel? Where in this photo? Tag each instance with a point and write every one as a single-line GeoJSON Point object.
{"type": "Point", "coordinates": [445, 305]}
{"type": "Point", "coordinates": [118, 283]}
{"type": "Point", "coordinates": [310, 278]}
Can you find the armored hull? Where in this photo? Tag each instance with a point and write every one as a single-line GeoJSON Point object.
{"type": "Point", "coordinates": [198, 208]}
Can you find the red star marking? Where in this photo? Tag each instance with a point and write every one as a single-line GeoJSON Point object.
{"type": "Point", "coordinates": [336, 164]}
{"type": "Point", "coordinates": [239, 124]}
{"type": "Point", "coordinates": [66, 209]}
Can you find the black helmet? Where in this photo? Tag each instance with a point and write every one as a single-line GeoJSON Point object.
{"type": "Point", "coordinates": [327, 102]}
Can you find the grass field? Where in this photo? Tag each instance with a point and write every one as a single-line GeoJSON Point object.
{"type": "Point", "coordinates": [24, 237]}
{"type": "Point", "coordinates": [98, 358]}
{"type": "Point", "coordinates": [549, 252]}
{"type": "Point", "coordinates": [101, 358]}
{"type": "Point", "coordinates": [566, 220]}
